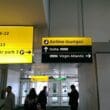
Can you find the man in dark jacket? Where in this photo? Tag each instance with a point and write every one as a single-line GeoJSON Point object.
{"type": "Point", "coordinates": [42, 98]}
{"type": "Point", "coordinates": [10, 99]}
{"type": "Point", "coordinates": [73, 98]}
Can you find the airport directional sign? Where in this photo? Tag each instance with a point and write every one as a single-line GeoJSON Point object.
{"type": "Point", "coordinates": [16, 44]}
{"type": "Point", "coordinates": [66, 50]}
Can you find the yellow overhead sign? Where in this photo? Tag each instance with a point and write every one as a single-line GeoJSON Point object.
{"type": "Point", "coordinates": [66, 41]}
{"type": "Point", "coordinates": [39, 78]}
{"type": "Point", "coordinates": [16, 44]}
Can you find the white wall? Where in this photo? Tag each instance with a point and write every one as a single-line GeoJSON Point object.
{"type": "Point", "coordinates": [13, 80]}
{"type": "Point", "coordinates": [103, 73]}
{"type": "Point", "coordinates": [87, 87]}
{"type": "Point", "coordinates": [96, 19]}
{"type": "Point", "coordinates": [63, 18]}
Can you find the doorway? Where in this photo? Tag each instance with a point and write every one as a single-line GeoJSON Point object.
{"type": "Point", "coordinates": [61, 77]}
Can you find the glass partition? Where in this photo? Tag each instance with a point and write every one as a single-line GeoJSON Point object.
{"type": "Point", "coordinates": [61, 77]}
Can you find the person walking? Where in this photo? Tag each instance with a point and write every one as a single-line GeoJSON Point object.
{"type": "Point", "coordinates": [9, 103]}
{"type": "Point", "coordinates": [73, 98]}
{"type": "Point", "coordinates": [31, 100]}
{"type": "Point", "coordinates": [42, 98]}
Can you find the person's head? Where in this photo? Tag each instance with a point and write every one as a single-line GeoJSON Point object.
{"type": "Point", "coordinates": [72, 87]}
{"type": "Point", "coordinates": [45, 88]}
{"type": "Point", "coordinates": [32, 93]}
{"type": "Point", "coordinates": [9, 89]}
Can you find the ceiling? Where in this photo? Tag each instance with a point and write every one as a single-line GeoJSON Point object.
{"type": "Point", "coordinates": [22, 12]}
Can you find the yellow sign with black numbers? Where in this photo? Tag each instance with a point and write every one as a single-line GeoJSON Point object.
{"type": "Point", "coordinates": [16, 44]}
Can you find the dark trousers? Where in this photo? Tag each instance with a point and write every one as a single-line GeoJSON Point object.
{"type": "Point", "coordinates": [43, 106]}
{"type": "Point", "coordinates": [74, 107]}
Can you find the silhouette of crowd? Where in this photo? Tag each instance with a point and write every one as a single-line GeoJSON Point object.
{"type": "Point", "coordinates": [34, 101]}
